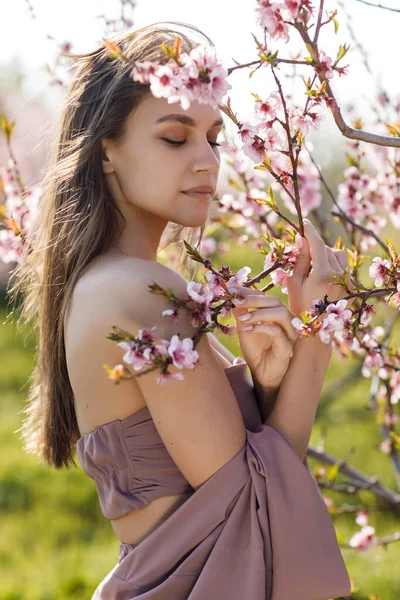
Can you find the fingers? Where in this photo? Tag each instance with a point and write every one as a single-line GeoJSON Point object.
{"type": "Point", "coordinates": [342, 258]}
{"type": "Point", "coordinates": [258, 299]}
{"type": "Point", "coordinates": [276, 332]}
{"type": "Point", "coordinates": [280, 315]}
{"type": "Point", "coordinates": [318, 249]}
{"type": "Point", "coordinates": [334, 260]}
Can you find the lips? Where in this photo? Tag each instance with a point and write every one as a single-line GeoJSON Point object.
{"type": "Point", "coordinates": [198, 195]}
{"type": "Point", "coordinates": [207, 189]}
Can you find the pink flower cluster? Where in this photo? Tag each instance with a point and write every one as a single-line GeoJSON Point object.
{"type": "Point", "coordinates": [288, 260]}
{"type": "Point", "coordinates": [364, 539]}
{"type": "Point", "coordinates": [142, 351]}
{"type": "Point", "coordinates": [274, 16]}
{"type": "Point", "coordinates": [337, 318]}
{"type": "Point", "coordinates": [20, 212]}
{"type": "Point", "coordinates": [199, 76]}
{"type": "Point", "coordinates": [359, 199]}
{"type": "Point", "coordinates": [265, 134]}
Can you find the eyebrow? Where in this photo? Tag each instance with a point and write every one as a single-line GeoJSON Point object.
{"type": "Point", "coordinates": [185, 120]}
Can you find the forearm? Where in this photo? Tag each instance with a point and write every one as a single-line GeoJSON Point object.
{"type": "Point", "coordinates": [266, 398]}
{"type": "Point", "coordinates": [294, 410]}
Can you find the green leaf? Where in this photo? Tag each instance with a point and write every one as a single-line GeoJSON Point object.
{"type": "Point", "coordinates": [351, 160]}
{"type": "Point", "coordinates": [336, 24]}
{"type": "Point", "coordinates": [332, 472]}
{"type": "Point", "coordinates": [342, 52]}
{"type": "Point", "coordinates": [392, 251]}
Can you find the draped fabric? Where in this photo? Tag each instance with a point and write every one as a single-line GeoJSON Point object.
{"type": "Point", "coordinates": [257, 529]}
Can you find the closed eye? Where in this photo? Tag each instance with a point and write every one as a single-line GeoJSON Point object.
{"type": "Point", "coordinates": [175, 143]}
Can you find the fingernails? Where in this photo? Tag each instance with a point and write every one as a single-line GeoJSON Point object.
{"type": "Point", "coordinates": [244, 317]}
{"type": "Point", "coordinates": [298, 240]}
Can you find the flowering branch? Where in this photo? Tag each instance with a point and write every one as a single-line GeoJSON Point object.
{"type": "Point", "coordinates": [346, 130]}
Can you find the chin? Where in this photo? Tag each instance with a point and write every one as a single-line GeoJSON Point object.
{"type": "Point", "coordinates": [194, 221]}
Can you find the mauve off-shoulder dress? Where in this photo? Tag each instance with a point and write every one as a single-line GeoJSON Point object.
{"type": "Point", "coordinates": [258, 529]}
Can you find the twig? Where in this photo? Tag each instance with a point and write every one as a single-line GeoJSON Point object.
{"type": "Point", "coordinates": [379, 6]}
{"type": "Point", "coordinates": [373, 483]}
{"type": "Point", "coordinates": [369, 232]}
{"type": "Point", "coordinates": [318, 27]}
{"type": "Point", "coordinates": [395, 537]}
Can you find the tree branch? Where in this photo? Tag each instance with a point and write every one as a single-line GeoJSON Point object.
{"type": "Point", "coordinates": [379, 6]}
{"type": "Point", "coordinates": [346, 130]}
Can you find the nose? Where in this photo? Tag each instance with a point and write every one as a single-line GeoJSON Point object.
{"type": "Point", "coordinates": [206, 159]}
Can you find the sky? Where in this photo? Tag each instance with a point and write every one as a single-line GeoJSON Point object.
{"type": "Point", "coordinates": [25, 39]}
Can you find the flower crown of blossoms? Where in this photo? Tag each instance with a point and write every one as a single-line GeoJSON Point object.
{"type": "Point", "coordinates": [186, 77]}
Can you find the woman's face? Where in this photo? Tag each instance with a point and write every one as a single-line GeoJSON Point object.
{"type": "Point", "coordinates": [148, 173]}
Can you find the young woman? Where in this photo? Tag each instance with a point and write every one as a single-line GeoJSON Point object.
{"type": "Point", "coordinates": [207, 493]}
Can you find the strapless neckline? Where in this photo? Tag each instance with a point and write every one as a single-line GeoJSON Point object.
{"type": "Point", "coordinates": [132, 418]}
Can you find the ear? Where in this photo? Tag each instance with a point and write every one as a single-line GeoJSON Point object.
{"type": "Point", "coordinates": [108, 167]}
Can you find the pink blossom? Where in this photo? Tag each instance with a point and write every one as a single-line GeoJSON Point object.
{"type": "Point", "coordinates": [324, 68]}
{"type": "Point", "coordinates": [380, 271]}
{"type": "Point", "coordinates": [142, 71]}
{"type": "Point", "coordinates": [364, 539]}
{"type": "Point", "coordinates": [165, 83]}
{"type": "Point", "coordinates": [368, 312]}
{"type": "Point", "coordinates": [255, 148]}
{"type": "Point", "coordinates": [182, 353]}
{"type": "Point", "coordinates": [301, 328]}
{"type": "Point", "coordinates": [341, 313]}
{"type": "Point", "coordinates": [304, 122]}
{"type": "Point", "coordinates": [362, 518]}
{"type": "Point", "coordinates": [200, 315]}
{"type": "Point", "coordinates": [134, 355]}
{"type": "Point", "coordinates": [293, 7]}
{"type": "Point", "coordinates": [390, 419]}
{"type": "Point", "coordinates": [236, 282]}
{"type": "Point", "coordinates": [279, 278]}
{"type": "Point", "coordinates": [147, 335]}
{"type": "Point", "coordinates": [329, 325]}
{"type": "Point", "coordinates": [199, 76]}
{"type": "Point", "coordinates": [269, 16]}
{"type": "Point", "coordinates": [165, 378]}
{"type": "Point", "coordinates": [394, 299]}
{"type": "Point", "coordinates": [288, 258]}
{"type": "Point", "coordinates": [199, 293]}
{"type": "Point", "coordinates": [215, 284]}
{"type": "Point", "coordinates": [208, 246]}
{"type": "Point", "coordinates": [395, 386]}
{"type": "Point", "coordinates": [171, 313]}
{"type": "Point", "coordinates": [268, 109]}
{"type": "Point", "coordinates": [373, 360]}
{"type": "Point", "coordinates": [386, 446]}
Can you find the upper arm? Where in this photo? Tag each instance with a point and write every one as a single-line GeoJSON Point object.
{"type": "Point", "coordinates": [198, 418]}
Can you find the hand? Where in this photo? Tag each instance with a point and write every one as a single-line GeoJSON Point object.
{"type": "Point", "coordinates": [268, 348]}
{"type": "Point", "coordinates": [303, 287]}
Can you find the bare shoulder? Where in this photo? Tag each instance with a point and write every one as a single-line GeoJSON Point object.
{"type": "Point", "coordinates": [198, 418]}
{"type": "Point", "coordinates": [106, 292]}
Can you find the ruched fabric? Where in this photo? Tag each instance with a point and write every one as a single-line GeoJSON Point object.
{"type": "Point", "coordinates": [257, 529]}
{"type": "Point", "coordinates": [129, 464]}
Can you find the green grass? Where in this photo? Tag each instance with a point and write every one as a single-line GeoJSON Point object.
{"type": "Point", "coordinates": [55, 543]}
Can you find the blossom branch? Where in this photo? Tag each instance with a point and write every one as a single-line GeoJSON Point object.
{"type": "Point", "coordinates": [373, 484]}
{"type": "Point", "coordinates": [342, 215]}
{"type": "Point", "coordinates": [346, 130]}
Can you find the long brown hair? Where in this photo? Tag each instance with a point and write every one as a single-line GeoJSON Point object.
{"type": "Point", "coordinates": [77, 220]}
